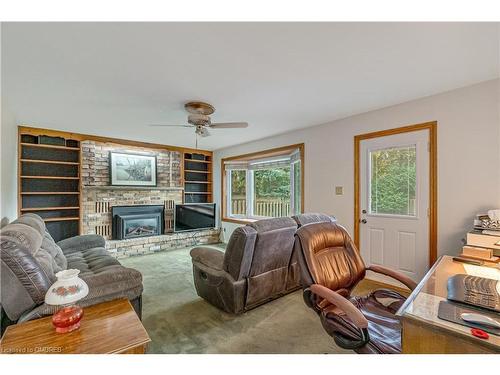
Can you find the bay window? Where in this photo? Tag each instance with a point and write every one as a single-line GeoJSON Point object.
{"type": "Point", "coordinates": [260, 185]}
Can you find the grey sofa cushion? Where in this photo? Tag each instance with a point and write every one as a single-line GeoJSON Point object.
{"type": "Point", "coordinates": [49, 245]}
{"type": "Point", "coordinates": [91, 261]}
{"type": "Point", "coordinates": [310, 218]}
{"type": "Point", "coordinates": [268, 225]}
{"type": "Point", "coordinates": [81, 243]}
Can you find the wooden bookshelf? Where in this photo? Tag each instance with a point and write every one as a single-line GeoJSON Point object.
{"type": "Point", "coordinates": [49, 181]}
{"type": "Point", "coordinates": [198, 177]}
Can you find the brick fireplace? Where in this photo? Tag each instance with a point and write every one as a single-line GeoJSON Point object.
{"type": "Point", "coordinates": [99, 199]}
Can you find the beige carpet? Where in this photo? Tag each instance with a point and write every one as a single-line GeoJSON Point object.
{"type": "Point", "coordinates": [178, 321]}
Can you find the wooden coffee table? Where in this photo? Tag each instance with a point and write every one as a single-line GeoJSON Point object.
{"type": "Point", "coordinates": [109, 327]}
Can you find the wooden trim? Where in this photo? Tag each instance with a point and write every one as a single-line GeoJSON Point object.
{"type": "Point", "coordinates": [433, 189]}
{"type": "Point", "coordinates": [238, 221]}
{"type": "Point", "coordinates": [49, 192]}
{"type": "Point", "coordinates": [50, 219]}
{"type": "Point", "coordinates": [51, 177]}
{"type": "Point", "coordinates": [50, 146]}
{"type": "Point", "coordinates": [19, 171]}
{"type": "Point", "coordinates": [259, 154]}
{"type": "Point", "coordinates": [256, 155]}
{"type": "Point", "coordinates": [80, 190]}
{"type": "Point", "coordinates": [195, 171]}
{"type": "Point", "coordinates": [198, 161]}
{"type": "Point", "coordinates": [49, 161]}
{"type": "Point", "coordinates": [49, 208]}
{"type": "Point", "coordinates": [89, 137]}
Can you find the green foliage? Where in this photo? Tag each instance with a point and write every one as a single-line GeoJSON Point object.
{"type": "Point", "coordinates": [272, 183]}
{"type": "Point", "coordinates": [238, 182]}
{"type": "Point", "coordinates": [268, 183]}
{"type": "Point", "coordinates": [393, 181]}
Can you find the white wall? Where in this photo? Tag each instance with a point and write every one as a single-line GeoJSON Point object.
{"type": "Point", "coordinates": [8, 154]}
{"type": "Point", "coordinates": [468, 157]}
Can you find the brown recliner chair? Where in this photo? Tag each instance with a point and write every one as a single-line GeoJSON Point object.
{"type": "Point", "coordinates": [331, 266]}
{"type": "Point", "coordinates": [255, 268]}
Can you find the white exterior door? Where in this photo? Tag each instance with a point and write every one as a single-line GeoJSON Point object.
{"type": "Point", "coordinates": [394, 203]}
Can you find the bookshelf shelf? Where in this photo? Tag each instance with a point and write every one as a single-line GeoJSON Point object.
{"type": "Point", "coordinates": [52, 177]}
{"type": "Point", "coordinates": [49, 162]}
{"type": "Point", "coordinates": [50, 208]}
{"type": "Point", "coordinates": [51, 219]}
{"type": "Point", "coordinates": [50, 146]}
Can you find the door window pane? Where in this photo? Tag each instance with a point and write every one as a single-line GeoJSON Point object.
{"type": "Point", "coordinates": [271, 192]}
{"type": "Point", "coordinates": [393, 181]}
{"type": "Point", "coordinates": [238, 192]}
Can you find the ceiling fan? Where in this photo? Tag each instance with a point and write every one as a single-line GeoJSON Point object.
{"type": "Point", "coordinates": [199, 119]}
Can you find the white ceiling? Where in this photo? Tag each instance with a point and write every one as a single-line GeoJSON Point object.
{"type": "Point", "coordinates": [114, 79]}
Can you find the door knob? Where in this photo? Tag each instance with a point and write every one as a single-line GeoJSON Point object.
{"type": "Point", "coordinates": [364, 221]}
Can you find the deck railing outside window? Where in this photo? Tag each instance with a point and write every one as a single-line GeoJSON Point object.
{"type": "Point", "coordinates": [271, 207]}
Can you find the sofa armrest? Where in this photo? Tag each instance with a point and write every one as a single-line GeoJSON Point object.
{"type": "Point", "coordinates": [395, 275]}
{"type": "Point", "coordinates": [208, 256]}
{"type": "Point", "coordinates": [342, 303]}
{"type": "Point", "coordinates": [113, 282]}
{"type": "Point", "coordinates": [81, 243]}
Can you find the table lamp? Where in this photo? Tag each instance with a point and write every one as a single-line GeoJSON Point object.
{"type": "Point", "coordinates": [68, 289]}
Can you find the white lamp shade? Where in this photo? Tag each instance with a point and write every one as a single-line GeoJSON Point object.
{"type": "Point", "coordinates": [68, 288]}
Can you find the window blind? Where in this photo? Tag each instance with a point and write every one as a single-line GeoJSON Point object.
{"type": "Point", "coordinates": [281, 161]}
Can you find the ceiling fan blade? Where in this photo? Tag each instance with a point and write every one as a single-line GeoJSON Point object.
{"type": "Point", "coordinates": [229, 125]}
{"type": "Point", "coordinates": [178, 126]}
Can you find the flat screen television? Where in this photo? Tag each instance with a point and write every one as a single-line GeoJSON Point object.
{"type": "Point", "coordinates": [194, 216]}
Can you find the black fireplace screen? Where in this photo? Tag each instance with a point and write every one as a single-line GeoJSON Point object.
{"type": "Point", "coordinates": [137, 221]}
{"type": "Point", "coordinates": [140, 226]}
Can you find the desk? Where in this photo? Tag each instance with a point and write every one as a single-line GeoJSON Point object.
{"type": "Point", "coordinates": [109, 327]}
{"type": "Point", "coordinates": [423, 332]}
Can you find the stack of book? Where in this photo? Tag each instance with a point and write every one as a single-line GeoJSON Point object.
{"type": "Point", "coordinates": [483, 242]}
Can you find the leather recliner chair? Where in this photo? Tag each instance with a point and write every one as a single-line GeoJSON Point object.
{"type": "Point", "coordinates": [311, 218]}
{"type": "Point", "coordinates": [330, 267]}
{"type": "Point", "coordinates": [254, 269]}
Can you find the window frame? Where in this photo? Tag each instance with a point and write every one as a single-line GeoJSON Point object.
{"type": "Point", "coordinates": [227, 216]}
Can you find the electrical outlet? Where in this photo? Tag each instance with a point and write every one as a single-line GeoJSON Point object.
{"type": "Point", "coordinates": [339, 190]}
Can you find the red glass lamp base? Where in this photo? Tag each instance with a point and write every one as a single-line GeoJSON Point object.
{"type": "Point", "coordinates": [67, 319]}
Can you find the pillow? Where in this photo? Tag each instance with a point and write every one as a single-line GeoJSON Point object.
{"type": "Point", "coordinates": [48, 244]}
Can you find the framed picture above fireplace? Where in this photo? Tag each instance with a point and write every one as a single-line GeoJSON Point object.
{"type": "Point", "coordinates": [128, 169]}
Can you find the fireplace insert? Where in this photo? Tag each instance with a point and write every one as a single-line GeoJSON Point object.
{"type": "Point", "coordinates": [137, 221]}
